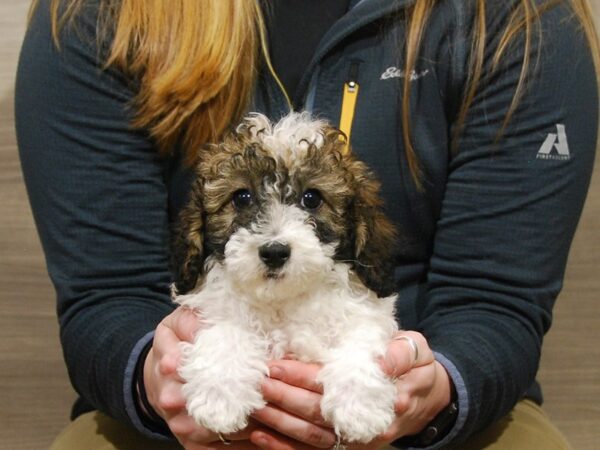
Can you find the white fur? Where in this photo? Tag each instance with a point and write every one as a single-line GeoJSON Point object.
{"type": "Point", "coordinates": [316, 308]}
{"type": "Point", "coordinates": [289, 137]}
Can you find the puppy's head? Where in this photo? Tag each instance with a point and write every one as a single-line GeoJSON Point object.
{"type": "Point", "coordinates": [278, 205]}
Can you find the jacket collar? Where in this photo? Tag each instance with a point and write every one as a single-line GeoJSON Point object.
{"type": "Point", "coordinates": [361, 13]}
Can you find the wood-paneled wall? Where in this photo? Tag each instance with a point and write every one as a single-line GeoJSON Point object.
{"type": "Point", "coordinates": [34, 388]}
{"type": "Point", "coordinates": [35, 394]}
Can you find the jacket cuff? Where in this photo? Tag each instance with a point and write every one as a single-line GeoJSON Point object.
{"type": "Point", "coordinates": [130, 395]}
{"type": "Point", "coordinates": [463, 407]}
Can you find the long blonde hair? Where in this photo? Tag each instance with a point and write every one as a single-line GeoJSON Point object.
{"type": "Point", "coordinates": [523, 21]}
{"type": "Point", "coordinates": [196, 60]}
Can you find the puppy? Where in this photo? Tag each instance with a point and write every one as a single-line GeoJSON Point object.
{"type": "Point", "coordinates": [284, 249]}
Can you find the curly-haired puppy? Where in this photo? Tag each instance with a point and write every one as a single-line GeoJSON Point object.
{"type": "Point", "coordinates": [285, 250]}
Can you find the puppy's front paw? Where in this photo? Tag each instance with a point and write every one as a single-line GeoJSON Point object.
{"type": "Point", "coordinates": [223, 372]}
{"type": "Point", "coordinates": [219, 408]}
{"type": "Point", "coordinates": [360, 410]}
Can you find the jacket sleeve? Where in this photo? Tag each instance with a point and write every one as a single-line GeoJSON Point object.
{"type": "Point", "coordinates": [99, 200]}
{"type": "Point", "coordinates": [510, 209]}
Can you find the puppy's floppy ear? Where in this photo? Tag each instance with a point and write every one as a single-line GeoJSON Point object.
{"type": "Point", "coordinates": [187, 248]}
{"type": "Point", "coordinates": [375, 238]}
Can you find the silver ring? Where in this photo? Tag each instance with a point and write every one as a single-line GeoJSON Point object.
{"type": "Point", "coordinates": [338, 444]}
{"type": "Point", "coordinates": [223, 440]}
{"type": "Point", "coordinates": [412, 344]}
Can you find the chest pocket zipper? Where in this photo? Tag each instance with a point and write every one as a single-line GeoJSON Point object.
{"type": "Point", "coordinates": [350, 96]}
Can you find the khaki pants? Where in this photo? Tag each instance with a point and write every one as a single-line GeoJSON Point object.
{"type": "Point", "coordinates": [525, 428]}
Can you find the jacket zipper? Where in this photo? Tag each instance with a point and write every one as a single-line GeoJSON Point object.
{"type": "Point", "coordinates": [351, 89]}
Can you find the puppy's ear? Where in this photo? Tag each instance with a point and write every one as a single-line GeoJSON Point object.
{"type": "Point", "coordinates": [187, 248]}
{"type": "Point", "coordinates": [375, 238]}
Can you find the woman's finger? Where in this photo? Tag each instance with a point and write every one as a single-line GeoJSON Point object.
{"type": "Point", "coordinates": [422, 394]}
{"type": "Point", "coordinates": [408, 349]}
{"type": "Point", "coordinates": [170, 400]}
{"type": "Point", "coordinates": [166, 351]}
{"type": "Point", "coordinates": [298, 401]}
{"type": "Point", "coordinates": [271, 440]}
{"type": "Point", "coordinates": [184, 322]}
{"type": "Point", "coordinates": [295, 427]}
{"type": "Point", "coordinates": [236, 445]}
{"type": "Point", "coordinates": [296, 373]}
{"type": "Point", "coordinates": [188, 431]}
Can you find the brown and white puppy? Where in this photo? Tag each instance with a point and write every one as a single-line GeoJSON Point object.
{"type": "Point", "coordinates": [284, 248]}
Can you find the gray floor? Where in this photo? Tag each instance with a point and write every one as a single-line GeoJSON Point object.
{"type": "Point", "coordinates": [34, 389]}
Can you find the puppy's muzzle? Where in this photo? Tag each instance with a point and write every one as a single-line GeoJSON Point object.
{"type": "Point", "coordinates": [274, 254]}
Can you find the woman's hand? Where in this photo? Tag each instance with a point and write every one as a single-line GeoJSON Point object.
{"type": "Point", "coordinates": [423, 386]}
{"type": "Point", "coordinates": [163, 385]}
{"type": "Point", "coordinates": [293, 413]}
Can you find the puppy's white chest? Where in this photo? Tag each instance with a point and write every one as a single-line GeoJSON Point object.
{"type": "Point", "coordinates": [301, 343]}
{"type": "Point", "coordinates": [306, 329]}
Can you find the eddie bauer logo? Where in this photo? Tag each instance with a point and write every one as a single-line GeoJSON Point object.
{"type": "Point", "coordinates": [555, 141]}
{"type": "Point", "coordinates": [394, 72]}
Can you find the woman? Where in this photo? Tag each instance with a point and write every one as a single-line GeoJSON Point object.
{"type": "Point", "coordinates": [479, 117]}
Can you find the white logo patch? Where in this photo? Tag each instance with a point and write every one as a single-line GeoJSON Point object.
{"type": "Point", "coordinates": [555, 141]}
{"type": "Point", "coordinates": [394, 72]}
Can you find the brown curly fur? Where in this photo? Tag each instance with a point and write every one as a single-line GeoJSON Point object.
{"type": "Point", "coordinates": [351, 213]}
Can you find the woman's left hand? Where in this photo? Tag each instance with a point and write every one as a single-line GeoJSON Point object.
{"type": "Point", "coordinates": [293, 395]}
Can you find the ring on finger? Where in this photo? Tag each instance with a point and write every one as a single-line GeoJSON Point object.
{"type": "Point", "coordinates": [223, 440]}
{"type": "Point", "coordinates": [412, 344]}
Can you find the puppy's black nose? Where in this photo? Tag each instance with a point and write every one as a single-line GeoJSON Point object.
{"type": "Point", "coordinates": [274, 254]}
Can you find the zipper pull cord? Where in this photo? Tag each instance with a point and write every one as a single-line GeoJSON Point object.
{"type": "Point", "coordinates": [351, 89]}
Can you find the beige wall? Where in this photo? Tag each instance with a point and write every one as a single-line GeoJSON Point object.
{"type": "Point", "coordinates": [34, 390]}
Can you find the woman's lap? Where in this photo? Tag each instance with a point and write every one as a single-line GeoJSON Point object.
{"type": "Point", "coordinates": [526, 427]}
{"type": "Point", "coordinates": [97, 431]}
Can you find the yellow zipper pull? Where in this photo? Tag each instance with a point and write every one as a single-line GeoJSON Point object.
{"type": "Point", "coordinates": [351, 88]}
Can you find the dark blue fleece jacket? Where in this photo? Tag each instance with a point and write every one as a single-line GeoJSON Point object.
{"type": "Point", "coordinates": [484, 243]}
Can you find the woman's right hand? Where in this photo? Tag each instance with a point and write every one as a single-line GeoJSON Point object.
{"type": "Point", "coordinates": [163, 384]}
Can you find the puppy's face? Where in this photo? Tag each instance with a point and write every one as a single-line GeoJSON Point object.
{"type": "Point", "coordinates": [278, 205]}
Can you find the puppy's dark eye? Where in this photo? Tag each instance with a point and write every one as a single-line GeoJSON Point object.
{"type": "Point", "coordinates": [242, 198]}
{"type": "Point", "coordinates": [311, 199]}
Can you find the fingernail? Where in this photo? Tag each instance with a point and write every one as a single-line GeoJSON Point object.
{"type": "Point", "coordinates": [389, 363]}
{"type": "Point", "coordinates": [275, 372]}
{"type": "Point", "coordinates": [260, 440]}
